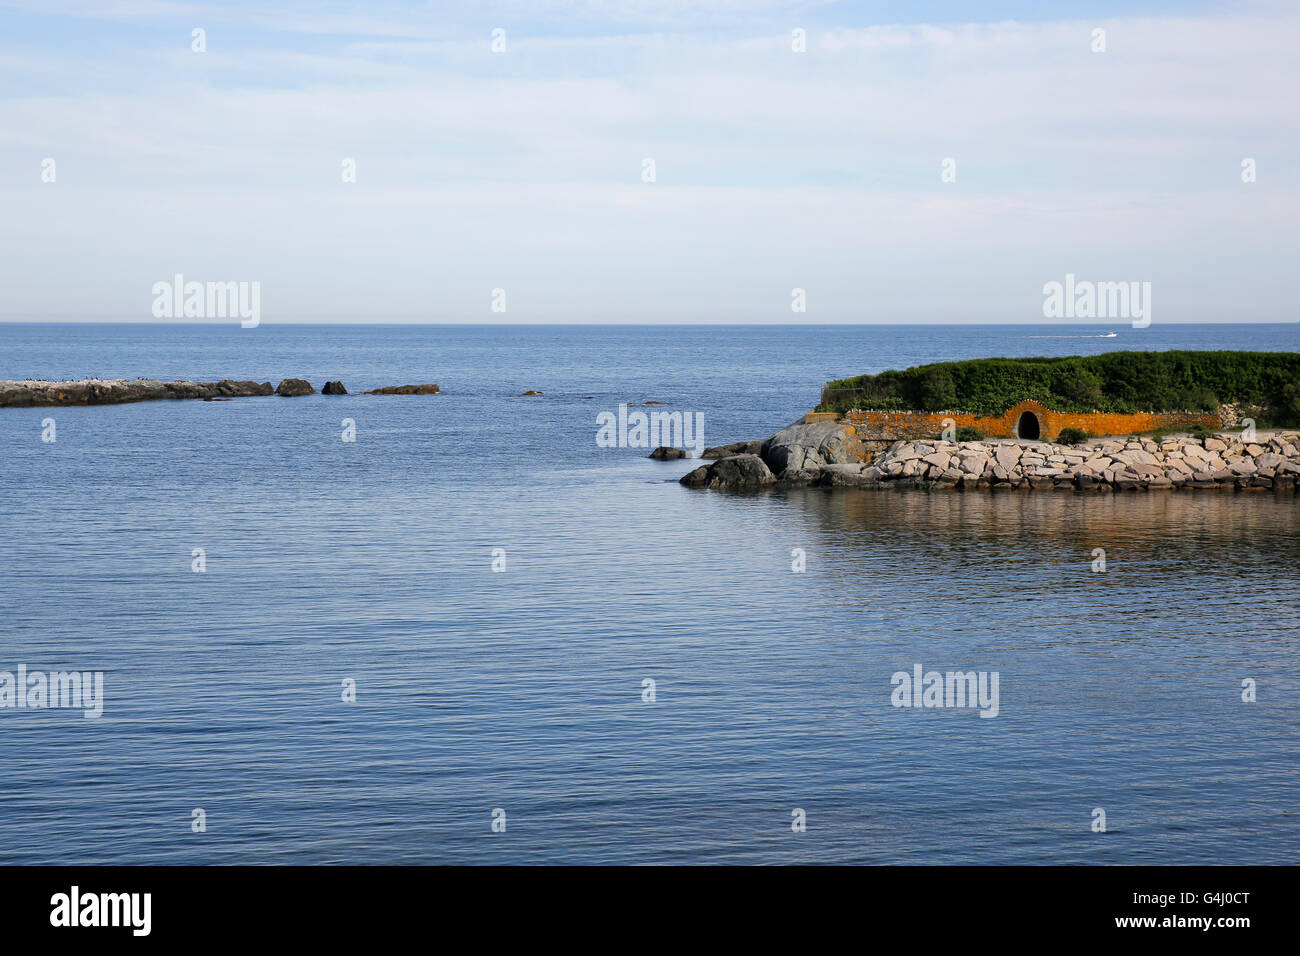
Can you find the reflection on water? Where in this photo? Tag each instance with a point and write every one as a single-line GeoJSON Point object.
{"type": "Point", "coordinates": [1178, 566]}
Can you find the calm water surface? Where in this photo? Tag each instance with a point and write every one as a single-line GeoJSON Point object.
{"type": "Point", "coordinates": [522, 690]}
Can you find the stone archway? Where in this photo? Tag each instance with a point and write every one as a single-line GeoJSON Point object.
{"type": "Point", "coordinates": [1028, 426]}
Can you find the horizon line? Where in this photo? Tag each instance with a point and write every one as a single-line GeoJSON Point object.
{"type": "Point", "coordinates": [1056, 323]}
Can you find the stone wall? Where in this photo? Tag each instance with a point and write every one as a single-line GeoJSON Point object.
{"type": "Point", "coordinates": [873, 426]}
{"type": "Point", "coordinates": [801, 456]}
{"type": "Point", "coordinates": [1222, 461]}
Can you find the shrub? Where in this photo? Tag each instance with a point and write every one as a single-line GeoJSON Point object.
{"type": "Point", "coordinates": [1123, 382]}
{"type": "Point", "coordinates": [1288, 406]}
{"type": "Point", "coordinates": [969, 433]}
{"type": "Point", "coordinates": [938, 391]}
{"type": "Point", "coordinates": [1199, 399]}
{"type": "Point", "coordinates": [1080, 387]}
{"type": "Point", "coordinates": [1071, 436]}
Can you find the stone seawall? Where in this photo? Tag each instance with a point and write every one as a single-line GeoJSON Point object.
{"type": "Point", "coordinates": [829, 454]}
{"type": "Point", "coordinates": [1223, 461]}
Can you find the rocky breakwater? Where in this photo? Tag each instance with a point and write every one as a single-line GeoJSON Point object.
{"type": "Point", "coordinates": [830, 455]}
{"type": "Point", "coordinates": [1222, 461]}
{"type": "Point", "coordinates": [405, 390]}
{"type": "Point", "coordinates": [113, 391]}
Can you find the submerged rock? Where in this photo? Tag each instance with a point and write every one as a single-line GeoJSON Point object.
{"type": "Point", "coordinates": [531, 391]}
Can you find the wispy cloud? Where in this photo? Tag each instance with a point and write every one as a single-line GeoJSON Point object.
{"type": "Point", "coordinates": [522, 170]}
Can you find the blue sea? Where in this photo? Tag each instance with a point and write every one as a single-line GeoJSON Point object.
{"type": "Point", "coordinates": [522, 690]}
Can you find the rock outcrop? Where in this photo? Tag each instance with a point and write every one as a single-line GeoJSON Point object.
{"type": "Point", "coordinates": [293, 387]}
{"type": "Point", "coordinates": [115, 391]}
{"type": "Point", "coordinates": [333, 388]}
{"type": "Point", "coordinates": [803, 446]}
{"type": "Point", "coordinates": [737, 473]}
{"type": "Point", "coordinates": [405, 390]}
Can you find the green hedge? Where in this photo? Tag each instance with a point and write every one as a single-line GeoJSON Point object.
{"type": "Point", "coordinates": [1112, 382]}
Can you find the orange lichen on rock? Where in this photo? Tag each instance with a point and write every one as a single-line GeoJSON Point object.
{"type": "Point", "coordinates": [1027, 419]}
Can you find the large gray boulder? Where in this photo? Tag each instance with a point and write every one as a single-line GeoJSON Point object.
{"type": "Point", "coordinates": [737, 473]}
{"type": "Point", "coordinates": [801, 446]}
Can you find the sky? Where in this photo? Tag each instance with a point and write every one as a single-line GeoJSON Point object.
{"type": "Point", "coordinates": [524, 169]}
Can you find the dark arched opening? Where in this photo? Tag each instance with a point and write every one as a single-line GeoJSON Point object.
{"type": "Point", "coordinates": [1027, 427]}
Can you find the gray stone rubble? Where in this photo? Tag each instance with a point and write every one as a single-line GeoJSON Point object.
{"type": "Point", "coordinates": [822, 455]}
